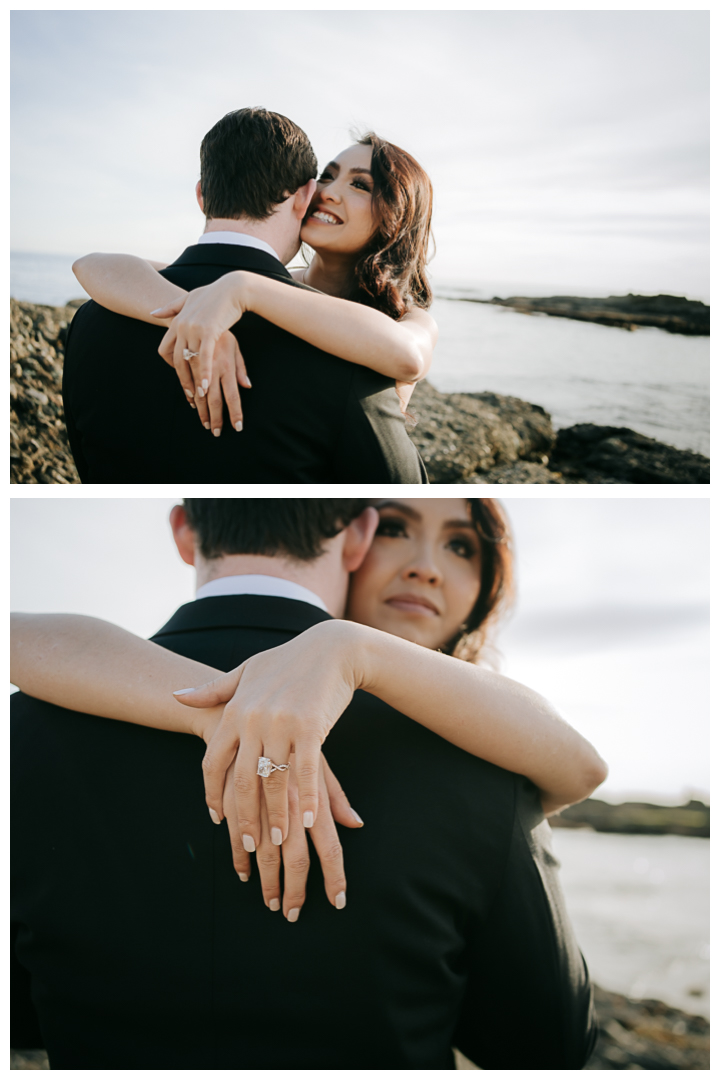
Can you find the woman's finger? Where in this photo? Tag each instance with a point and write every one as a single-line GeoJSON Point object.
{"type": "Point", "coordinates": [215, 407]}
{"type": "Point", "coordinates": [296, 860]}
{"type": "Point", "coordinates": [170, 310]}
{"type": "Point", "coordinates": [268, 864]}
{"type": "Point", "coordinates": [240, 370]}
{"type": "Point", "coordinates": [202, 364]}
{"type": "Point", "coordinates": [327, 844]}
{"type": "Point", "coordinates": [232, 400]}
{"type": "Point", "coordinates": [185, 378]}
{"type": "Point", "coordinates": [219, 755]}
{"type": "Point", "coordinates": [248, 792]}
{"type": "Point", "coordinates": [340, 807]}
{"type": "Point", "coordinates": [217, 692]}
{"type": "Point", "coordinates": [241, 858]}
{"type": "Point", "coordinates": [203, 411]}
{"type": "Point", "coordinates": [275, 790]}
{"type": "Point", "coordinates": [307, 766]}
{"type": "Point", "coordinates": [166, 347]}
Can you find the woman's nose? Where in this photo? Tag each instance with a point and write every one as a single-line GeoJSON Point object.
{"type": "Point", "coordinates": [423, 568]}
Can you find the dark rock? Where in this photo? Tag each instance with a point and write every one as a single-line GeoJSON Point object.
{"type": "Point", "coordinates": [39, 450]}
{"type": "Point", "coordinates": [592, 453]}
{"type": "Point", "coordinates": [676, 314]}
{"type": "Point", "coordinates": [481, 438]}
{"type": "Point", "coordinates": [693, 819]}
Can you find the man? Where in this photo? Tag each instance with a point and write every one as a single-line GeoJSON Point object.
{"type": "Point", "coordinates": [138, 948]}
{"type": "Point", "coordinates": [309, 418]}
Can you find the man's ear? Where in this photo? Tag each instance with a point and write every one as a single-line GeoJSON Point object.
{"type": "Point", "coordinates": [358, 538]}
{"type": "Point", "coordinates": [302, 199]}
{"type": "Point", "coordinates": [198, 196]}
{"type": "Point", "coordinates": [183, 535]}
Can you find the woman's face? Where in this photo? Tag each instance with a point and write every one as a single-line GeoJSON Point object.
{"type": "Point", "coordinates": [421, 577]}
{"type": "Point", "coordinates": [340, 218]}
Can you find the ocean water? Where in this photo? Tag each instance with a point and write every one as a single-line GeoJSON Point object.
{"type": "Point", "coordinates": [640, 907]}
{"type": "Point", "coordinates": [654, 382]}
{"type": "Point", "coordinates": [648, 380]}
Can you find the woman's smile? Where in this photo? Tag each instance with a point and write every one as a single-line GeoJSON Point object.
{"type": "Point", "coordinates": [340, 218]}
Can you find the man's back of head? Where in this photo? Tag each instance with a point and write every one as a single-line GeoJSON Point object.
{"type": "Point", "coordinates": [250, 161]}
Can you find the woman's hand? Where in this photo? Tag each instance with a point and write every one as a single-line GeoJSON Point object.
{"type": "Point", "coordinates": [280, 702]}
{"type": "Point", "coordinates": [295, 856]}
{"type": "Point", "coordinates": [228, 370]}
{"type": "Point", "coordinates": [200, 320]}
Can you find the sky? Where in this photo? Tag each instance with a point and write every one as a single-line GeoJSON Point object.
{"type": "Point", "coordinates": [610, 624]}
{"type": "Point", "coordinates": [567, 149]}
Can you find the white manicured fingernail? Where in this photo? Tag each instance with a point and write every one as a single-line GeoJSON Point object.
{"type": "Point", "coordinates": [274, 904]}
{"type": "Point", "coordinates": [357, 816]}
{"type": "Point", "coordinates": [293, 914]}
{"type": "Point", "coordinates": [238, 426]}
{"type": "Point", "coordinates": [206, 425]}
{"type": "Point", "coordinates": [243, 877]}
{"type": "Point", "coordinates": [340, 901]}
{"type": "Point", "coordinates": [214, 816]}
{"type": "Point", "coordinates": [276, 837]}
{"type": "Point", "coordinates": [156, 311]}
{"type": "Point", "coordinates": [308, 819]}
{"type": "Point", "coordinates": [216, 432]}
{"type": "Point", "coordinates": [189, 393]}
{"type": "Point", "coordinates": [188, 691]}
{"type": "Point", "coordinates": [200, 392]}
{"type": "Point", "coordinates": [205, 384]}
{"type": "Point", "coordinates": [248, 842]}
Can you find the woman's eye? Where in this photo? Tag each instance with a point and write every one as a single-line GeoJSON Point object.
{"type": "Point", "coordinates": [391, 527]}
{"type": "Point", "coordinates": [464, 548]}
{"type": "Point", "coordinates": [361, 184]}
{"type": "Point", "coordinates": [324, 178]}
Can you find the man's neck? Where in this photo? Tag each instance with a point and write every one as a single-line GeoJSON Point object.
{"type": "Point", "coordinates": [273, 232]}
{"type": "Point", "coordinates": [328, 582]}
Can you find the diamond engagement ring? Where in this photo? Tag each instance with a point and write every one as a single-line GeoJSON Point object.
{"type": "Point", "coordinates": [266, 766]}
{"type": "Point", "coordinates": [188, 354]}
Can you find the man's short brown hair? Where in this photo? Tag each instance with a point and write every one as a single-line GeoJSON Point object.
{"type": "Point", "coordinates": [295, 528]}
{"type": "Point", "coordinates": [251, 161]}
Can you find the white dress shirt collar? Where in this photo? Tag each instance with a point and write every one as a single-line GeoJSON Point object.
{"type": "Point", "coordinates": [228, 237]}
{"type": "Point", "coordinates": [258, 585]}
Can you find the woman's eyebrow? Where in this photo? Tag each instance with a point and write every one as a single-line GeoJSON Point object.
{"type": "Point", "coordinates": [407, 510]}
{"type": "Point", "coordinates": [358, 170]}
{"type": "Point", "coordinates": [459, 523]}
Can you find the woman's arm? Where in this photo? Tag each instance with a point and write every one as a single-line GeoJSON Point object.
{"type": "Point", "coordinates": [362, 335]}
{"type": "Point", "coordinates": [95, 667]}
{"type": "Point", "coordinates": [290, 697]}
{"type": "Point", "coordinates": [127, 285]}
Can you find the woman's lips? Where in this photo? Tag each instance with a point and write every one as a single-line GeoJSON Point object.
{"type": "Point", "coordinates": [328, 213]}
{"type": "Point", "coordinates": [415, 605]}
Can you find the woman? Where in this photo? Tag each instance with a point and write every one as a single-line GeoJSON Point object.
{"type": "Point", "coordinates": [436, 575]}
{"type": "Point", "coordinates": [369, 226]}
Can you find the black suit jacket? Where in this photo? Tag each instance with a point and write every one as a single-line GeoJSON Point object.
{"type": "Point", "coordinates": [309, 418]}
{"type": "Point", "coordinates": [137, 947]}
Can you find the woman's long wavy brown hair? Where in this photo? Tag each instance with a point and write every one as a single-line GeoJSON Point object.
{"type": "Point", "coordinates": [391, 272]}
{"type": "Point", "coordinates": [496, 580]}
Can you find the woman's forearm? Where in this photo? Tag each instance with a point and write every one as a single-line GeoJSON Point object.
{"type": "Point", "coordinates": [482, 712]}
{"type": "Point", "coordinates": [127, 285]}
{"type": "Point", "coordinates": [341, 327]}
{"type": "Point", "coordinates": [94, 667]}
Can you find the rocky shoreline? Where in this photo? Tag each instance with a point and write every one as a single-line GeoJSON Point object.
{"type": "Point", "coordinates": [693, 819]}
{"type": "Point", "coordinates": [632, 1035]}
{"type": "Point", "coordinates": [463, 438]}
{"type": "Point", "coordinates": [675, 314]}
